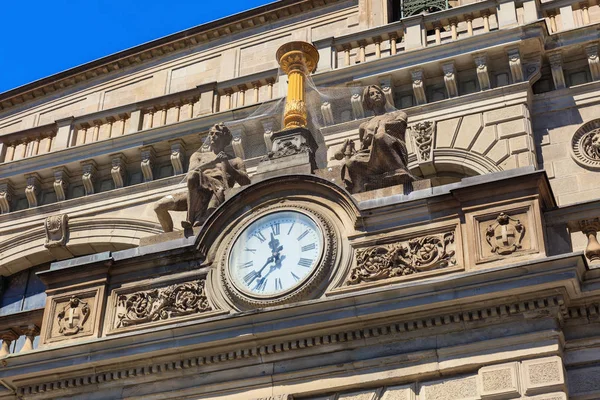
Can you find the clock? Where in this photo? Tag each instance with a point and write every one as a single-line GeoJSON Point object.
{"type": "Point", "coordinates": [277, 256]}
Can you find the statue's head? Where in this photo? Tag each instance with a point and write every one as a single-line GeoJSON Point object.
{"type": "Point", "coordinates": [219, 137]}
{"type": "Point", "coordinates": [373, 98]}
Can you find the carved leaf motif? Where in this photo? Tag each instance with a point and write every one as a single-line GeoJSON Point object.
{"type": "Point", "coordinates": [161, 304]}
{"type": "Point", "coordinates": [401, 259]}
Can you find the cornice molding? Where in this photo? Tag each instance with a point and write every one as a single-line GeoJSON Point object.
{"type": "Point", "coordinates": [553, 306]}
{"type": "Point", "coordinates": [201, 34]}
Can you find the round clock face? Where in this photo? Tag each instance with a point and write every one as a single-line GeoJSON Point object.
{"type": "Point", "coordinates": [275, 254]}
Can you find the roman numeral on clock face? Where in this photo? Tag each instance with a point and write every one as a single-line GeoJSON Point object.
{"type": "Point", "coordinates": [275, 228]}
{"type": "Point", "coordinates": [259, 236]}
{"type": "Point", "coordinates": [278, 285]}
{"type": "Point", "coordinates": [296, 278]}
{"type": "Point", "coordinates": [261, 285]}
{"type": "Point", "coordinates": [308, 247]}
{"type": "Point", "coordinates": [305, 262]}
{"type": "Point", "coordinates": [303, 235]}
{"type": "Point", "coordinates": [252, 275]}
{"type": "Point", "coordinates": [246, 264]}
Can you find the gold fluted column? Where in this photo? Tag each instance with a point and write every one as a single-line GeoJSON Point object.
{"type": "Point", "coordinates": [297, 60]}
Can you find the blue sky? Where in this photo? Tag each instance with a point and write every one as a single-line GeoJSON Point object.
{"type": "Point", "coordinates": [43, 37]}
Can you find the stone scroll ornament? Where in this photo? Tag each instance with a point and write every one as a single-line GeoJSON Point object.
{"type": "Point", "coordinates": [506, 235]}
{"type": "Point", "coordinates": [423, 133]}
{"type": "Point", "coordinates": [405, 258]}
{"type": "Point", "coordinates": [162, 304]}
{"type": "Point", "coordinates": [72, 318]}
{"type": "Point", "coordinates": [57, 229]}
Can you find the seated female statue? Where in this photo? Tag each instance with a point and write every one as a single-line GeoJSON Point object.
{"type": "Point", "coordinates": [382, 158]}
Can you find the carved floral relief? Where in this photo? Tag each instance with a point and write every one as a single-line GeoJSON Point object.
{"type": "Point", "coordinates": [403, 258]}
{"type": "Point", "coordinates": [161, 304]}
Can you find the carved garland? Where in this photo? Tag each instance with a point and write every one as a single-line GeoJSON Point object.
{"type": "Point", "coordinates": [405, 258]}
{"type": "Point", "coordinates": [161, 304]}
{"type": "Point", "coordinates": [585, 145]}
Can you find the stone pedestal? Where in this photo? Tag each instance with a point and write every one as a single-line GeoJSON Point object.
{"type": "Point", "coordinates": [405, 188]}
{"type": "Point", "coordinates": [293, 152]}
{"type": "Point", "coordinates": [167, 237]}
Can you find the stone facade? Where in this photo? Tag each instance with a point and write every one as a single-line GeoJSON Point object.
{"type": "Point", "coordinates": [474, 279]}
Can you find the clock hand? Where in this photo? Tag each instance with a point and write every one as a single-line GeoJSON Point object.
{"type": "Point", "coordinates": [273, 267]}
{"type": "Point", "coordinates": [269, 261]}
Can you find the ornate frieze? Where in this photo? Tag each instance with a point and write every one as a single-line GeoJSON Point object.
{"type": "Point", "coordinates": [585, 145]}
{"type": "Point", "coordinates": [391, 260]}
{"type": "Point", "coordinates": [57, 229]}
{"type": "Point", "coordinates": [73, 316]}
{"type": "Point", "coordinates": [505, 235]}
{"type": "Point", "coordinates": [161, 304]}
{"type": "Point", "coordinates": [289, 147]}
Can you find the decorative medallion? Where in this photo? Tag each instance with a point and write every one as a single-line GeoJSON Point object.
{"type": "Point", "coordinates": [278, 256]}
{"type": "Point", "coordinates": [73, 316]}
{"type": "Point", "coordinates": [585, 145]}
{"type": "Point", "coordinates": [506, 235]}
{"type": "Point", "coordinates": [404, 258]}
{"type": "Point", "coordinates": [161, 304]}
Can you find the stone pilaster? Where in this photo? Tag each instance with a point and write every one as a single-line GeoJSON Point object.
{"type": "Point", "coordinates": [591, 51]}
{"type": "Point", "coordinates": [514, 63]}
{"type": "Point", "coordinates": [6, 192]}
{"type": "Point", "coordinates": [482, 71]}
{"type": "Point", "coordinates": [450, 79]}
{"type": "Point", "coordinates": [556, 66]}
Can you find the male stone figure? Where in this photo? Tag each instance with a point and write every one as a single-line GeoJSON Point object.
{"type": "Point", "coordinates": [382, 157]}
{"type": "Point", "coordinates": [209, 175]}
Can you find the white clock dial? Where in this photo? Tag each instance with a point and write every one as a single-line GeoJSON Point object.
{"type": "Point", "coordinates": [275, 253]}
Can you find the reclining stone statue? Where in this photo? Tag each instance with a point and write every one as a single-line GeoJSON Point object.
{"type": "Point", "coordinates": [208, 176]}
{"type": "Point", "coordinates": [382, 158]}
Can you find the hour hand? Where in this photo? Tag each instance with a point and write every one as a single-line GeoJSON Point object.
{"type": "Point", "coordinates": [274, 244]}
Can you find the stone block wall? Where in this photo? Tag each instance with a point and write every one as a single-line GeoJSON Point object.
{"type": "Point", "coordinates": [540, 379]}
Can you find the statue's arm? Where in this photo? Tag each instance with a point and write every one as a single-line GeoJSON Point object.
{"type": "Point", "coordinates": [195, 161]}
{"type": "Point", "coordinates": [238, 171]}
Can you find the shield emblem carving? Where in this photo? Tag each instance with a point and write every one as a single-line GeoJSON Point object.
{"type": "Point", "coordinates": [506, 235]}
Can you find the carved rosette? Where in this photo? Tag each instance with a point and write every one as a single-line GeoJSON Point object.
{"type": "Point", "coordinates": [403, 258]}
{"type": "Point", "coordinates": [585, 145]}
{"type": "Point", "coordinates": [162, 304]}
{"type": "Point", "coordinates": [506, 235]}
{"type": "Point", "coordinates": [72, 318]}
